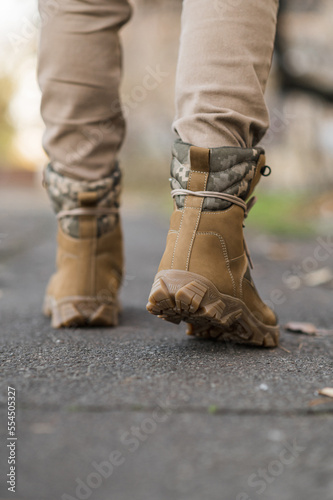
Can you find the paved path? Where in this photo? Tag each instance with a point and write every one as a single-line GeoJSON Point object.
{"type": "Point", "coordinates": [178, 418]}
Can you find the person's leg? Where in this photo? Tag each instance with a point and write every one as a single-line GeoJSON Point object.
{"type": "Point", "coordinates": [204, 276]}
{"type": "Point", "coordinates": [79, 73]}
{"type": "Point", "coordinates": [224, 61]}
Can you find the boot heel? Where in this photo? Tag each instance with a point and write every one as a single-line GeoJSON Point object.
{"type": "Point", "coordinates": [183, 296]}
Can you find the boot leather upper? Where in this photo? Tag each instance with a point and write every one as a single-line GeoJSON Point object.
{"type": "Point", "coordinates": [211, 243]}
{"type": "Point", "coordinates": [88, 266]}
{"type": "Point", "coordinates": [90, 247]}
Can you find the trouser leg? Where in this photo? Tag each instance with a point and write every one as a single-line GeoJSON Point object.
{"type": "Point", "coordinates": [204, 276]}
{"type": "Point", "coordinates": [224, 61]}
{"type": "Point", "coordinates": [79, 73]}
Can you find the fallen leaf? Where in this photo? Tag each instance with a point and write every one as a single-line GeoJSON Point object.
{"type": "Point", "coordinates": [327, 391]}
{"type": "Point", "coordinates": [284, 349]}
{"type": "Point", "coordinates": [316, 402]}
{"type": "Point", "coordinates": [279, 251]}
{"type": "Point", "coordinates": [299, 327]}
{"type": "Point", "coordinates": [319, 277]}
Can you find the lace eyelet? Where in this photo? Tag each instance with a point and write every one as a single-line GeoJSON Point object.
{"type": "Point", "coordinates": [266, 171]}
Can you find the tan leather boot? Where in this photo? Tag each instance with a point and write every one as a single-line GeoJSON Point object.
{"type": "Point", "coordinates": [84, 289]}
{"type": "Point", "coordinates": [204, 277]}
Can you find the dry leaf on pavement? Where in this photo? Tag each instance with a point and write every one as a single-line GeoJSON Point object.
{"type": "Point", "coordinates": [327, 391]}
{"type": "Point", "coordinates": [319, 277]}
{"type": "Point", "coordinates": [300, 327]}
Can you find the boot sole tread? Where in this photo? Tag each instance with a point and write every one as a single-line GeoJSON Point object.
{"type": "Point", "coordinates": [80, 311]}
{"type": "Point", "coordinates": [183, 296]}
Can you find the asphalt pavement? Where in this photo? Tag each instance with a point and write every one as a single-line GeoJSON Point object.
{"type": "Point", "coordinates": [143, 411]}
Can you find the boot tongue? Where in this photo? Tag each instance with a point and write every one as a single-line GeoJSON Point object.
{"type": "Point", "coordinates": [87, 224]}
{"type": "Point", "coordinates": [199, 159]}
{"type": "Point", "coordinates": [233, 171]}
{"type": "Point", "coordinates": [88, 199]}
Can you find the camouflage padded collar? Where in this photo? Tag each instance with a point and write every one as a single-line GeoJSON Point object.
{"type": "Point", "coordinates": [232, 170]}
{"type": "Point", "coordinates": [63, 193]}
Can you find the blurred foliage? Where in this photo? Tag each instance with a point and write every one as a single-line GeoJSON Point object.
{"type": "Point", "coordinates": [282, 214]}
{"type": "Point", "coordinates": [7, 129]}
{"type": "Point", "coordinates": [277, 213]}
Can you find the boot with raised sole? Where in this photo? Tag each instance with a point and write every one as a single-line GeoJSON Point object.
{"type": "Point", "coordinates": [204, 276]}
{"type": "Point", "coordinates": [84, 289]}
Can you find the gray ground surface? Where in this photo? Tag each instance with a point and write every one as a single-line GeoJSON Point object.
{"type": "Point", "coordinates": [189, 419]}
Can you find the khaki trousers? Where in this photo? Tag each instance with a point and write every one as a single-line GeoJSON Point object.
{"type": "Point", "coordinates": [224, 61]}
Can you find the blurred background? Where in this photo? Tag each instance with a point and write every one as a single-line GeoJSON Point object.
{"type": "Point", "coordinates": [297, 198]}
{"type": "Point", "coordinates": [232, 408]}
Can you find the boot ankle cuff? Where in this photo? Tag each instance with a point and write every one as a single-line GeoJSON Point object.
{"type": "Point", "coordinates": [231, 171]}
{"type": "Point", "coordinates": [65, 192]}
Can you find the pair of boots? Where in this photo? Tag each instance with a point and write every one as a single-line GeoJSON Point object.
{"type": "Point", "coordinates": [204, 276]}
